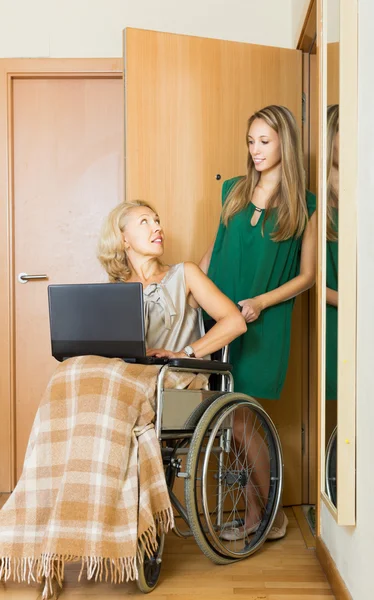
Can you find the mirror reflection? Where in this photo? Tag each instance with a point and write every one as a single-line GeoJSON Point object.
{"type": "Point", "coordinates": [332, 226]}
{"type": "Point", "coordinates": [332, 197]}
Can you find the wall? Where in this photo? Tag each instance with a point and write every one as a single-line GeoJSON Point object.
{"type": "Point", "coordinates": [298, 10]}
{"type": "Point", "coordinates": [352, 547]}
{"type": "Point", "coordinates": [93, 28]}
{"type": "Point", "coordinates": [333, 20]}
{"type": "Point", "coordinates": [298, 13]}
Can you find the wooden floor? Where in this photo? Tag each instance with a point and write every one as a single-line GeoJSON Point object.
{"type": "Point", "coordinates": [282, 570]}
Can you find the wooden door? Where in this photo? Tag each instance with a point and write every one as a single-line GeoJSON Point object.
{"type": "Point", "coordinates": [187, 102]}
{"type": "Point", "coordinates": [333, 73]}
{"type": "Point", "coordinates": [67, 170]}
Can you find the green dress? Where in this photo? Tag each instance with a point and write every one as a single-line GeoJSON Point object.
{"type": "Point", "coordinates": [246, 263]}
{"type": "Point", "coordinates": [332, 316]}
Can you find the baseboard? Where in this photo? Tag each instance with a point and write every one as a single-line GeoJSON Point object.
{"type": "Point", "coordinates": [334, 578]}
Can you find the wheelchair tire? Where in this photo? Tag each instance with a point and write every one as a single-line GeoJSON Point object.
{"type": "Point", "coordinates": [200, 409]}
{"type": "Point", "coordinates": [150, 568]}
{"type": "Point", "coordinates": [199, 514]}
{"type": "Point", "coordinates": [331, 483]}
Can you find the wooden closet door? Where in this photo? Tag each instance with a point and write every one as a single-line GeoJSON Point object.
{"type": "Point", "coordinates": [68, 174]}
{"type": "Point", "coordinates": [187, 103]}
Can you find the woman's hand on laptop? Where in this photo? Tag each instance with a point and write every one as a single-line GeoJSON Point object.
{"type": "Point", "coordinates": [163, 353]}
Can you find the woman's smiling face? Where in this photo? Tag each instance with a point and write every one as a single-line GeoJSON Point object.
{"type": "Point", "coordinates": [264, 146]}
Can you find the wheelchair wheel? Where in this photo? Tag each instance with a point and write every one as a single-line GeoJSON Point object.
{"type": "Point", "coordinates": [150, 567]}
{"type": "Point", "coordinates": [235, 476]}
{"type": "Point", "coordinates": [200, 409]}
{"type": "Point", "coordinates": [331, 487]}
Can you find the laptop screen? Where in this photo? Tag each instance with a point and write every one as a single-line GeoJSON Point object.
{"type": "Point", "coordinates": [104, 319]}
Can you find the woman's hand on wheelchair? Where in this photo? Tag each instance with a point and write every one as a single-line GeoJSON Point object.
{"type": "Point", "coordinates": [163, 353]}
{"type": "Point", "coordinates": [251, 309]}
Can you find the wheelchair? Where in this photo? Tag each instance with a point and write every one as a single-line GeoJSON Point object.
{"type": "Point", "coordinates": [228, 454]}
{"type": "Point", "coordinates": [331, 472]}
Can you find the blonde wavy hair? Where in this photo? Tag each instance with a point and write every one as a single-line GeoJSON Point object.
{"type": "Point", "coordinates": [289, 195]}
{"type": "Point", "coordinates": [331, 194]}
{"type": "Point", "coordinates": [111, 247]}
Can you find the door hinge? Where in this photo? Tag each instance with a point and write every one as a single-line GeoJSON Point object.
{"type": "Point", "coordinates": [303, 440]}
{"type": "Point", "coordinates": [303, 108]}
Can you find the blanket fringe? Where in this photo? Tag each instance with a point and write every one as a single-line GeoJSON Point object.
{"type": "Point", "coordinates": [49, 568]}
{"type": "Point", "coordinates": [147, 542]}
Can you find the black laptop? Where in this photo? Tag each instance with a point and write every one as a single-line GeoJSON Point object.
{"type": "Point", "coordinates": [104, 319]}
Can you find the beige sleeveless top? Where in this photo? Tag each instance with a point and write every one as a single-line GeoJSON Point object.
{"type": "Point", "coordinates": [170, 322]}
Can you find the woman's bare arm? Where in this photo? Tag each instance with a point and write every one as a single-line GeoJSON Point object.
{"type": "Point", "coordinates": [331, 297]}
{"type": "Point", "coordinates": [205, 261]}
{"type": "Point", "coordinates": [229, 322]}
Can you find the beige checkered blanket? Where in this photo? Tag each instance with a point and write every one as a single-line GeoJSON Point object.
{"type": "Point", "coordinates": [92, 487]}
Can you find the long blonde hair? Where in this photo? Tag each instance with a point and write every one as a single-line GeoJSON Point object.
{"type": "Point", "coordinates": [111, 248]}
{"type": "Point", "coordinates": [289, 195]}
{"type": "Point", "coordinates": [331, 195]}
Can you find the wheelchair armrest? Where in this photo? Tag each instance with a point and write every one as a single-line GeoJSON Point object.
{"type": "Point", "coordinates": [200, 365]}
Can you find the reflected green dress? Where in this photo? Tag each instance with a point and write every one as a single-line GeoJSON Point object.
{"type": "Point", "coordinates": [246, 263]}
{"type": "Point", "coordinates": [332, 316]}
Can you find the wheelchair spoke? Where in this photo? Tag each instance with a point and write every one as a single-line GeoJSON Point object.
{"type": "Point", "coordinates": [235, 480]}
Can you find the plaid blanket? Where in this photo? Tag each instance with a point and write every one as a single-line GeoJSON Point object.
{"type": "Point", "coordinates": [92, 487]}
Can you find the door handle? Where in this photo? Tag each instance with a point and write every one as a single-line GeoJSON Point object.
{"type": "Point", "coordinates": [24, 277]}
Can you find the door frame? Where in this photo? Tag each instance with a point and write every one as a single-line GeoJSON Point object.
{"type": "Point", "coordinates": [307, 43]}
{"type": "Point", "coordinates": [10, 70]}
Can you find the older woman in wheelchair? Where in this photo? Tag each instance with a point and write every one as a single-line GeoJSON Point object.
{"type": "Point", "coordinates": [107, 443]}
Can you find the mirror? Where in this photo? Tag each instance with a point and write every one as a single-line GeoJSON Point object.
{"type": "Point", "coordinates": [337, 248]}
{"type": "Point", "coordinates": [332, 227]}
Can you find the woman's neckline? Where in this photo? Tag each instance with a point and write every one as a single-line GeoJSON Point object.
{"type": "Point", "coordinates": [258, 208]}
{"type": "Point", "coordinates": [262, 210]}
{"type": "Point", "coordinates": [166, 273]}
{"type": "Point", "coordinates": [162, 281]}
